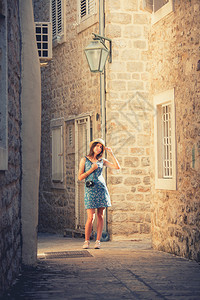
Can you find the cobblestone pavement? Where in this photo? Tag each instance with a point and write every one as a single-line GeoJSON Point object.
{"type": "Point", "coordinates": [119, 270]}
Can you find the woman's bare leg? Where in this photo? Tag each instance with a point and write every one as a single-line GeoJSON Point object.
{"type": "Point", "coordinates": [89, 222]}
{"type": "Point", "coordinates": [100, 214]}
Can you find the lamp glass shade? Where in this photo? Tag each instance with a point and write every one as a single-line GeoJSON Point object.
{"type": "Point", "coordinates": [96, 54]}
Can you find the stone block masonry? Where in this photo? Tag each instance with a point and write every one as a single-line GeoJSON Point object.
{"type": "Point", "coordinates": [128, 122]}
{"type": "Point", "coordinates": [10, 180]}
{"type": "Point", "coordinates": [68, 89]}
{"type": "Point", "coordinates": [147, 59]}
{"type": "Point", "coordinates": [174, 50]}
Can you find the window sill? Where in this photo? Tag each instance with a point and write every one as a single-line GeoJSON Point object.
{"type": "Point", "coordinates": [87, 23]}
{"type": "Point", "coordinates": [165, 184]}
{"type": "Point", "coordinates": [59, 40]}
{"type": "Point", "coordinates": [58, 185]}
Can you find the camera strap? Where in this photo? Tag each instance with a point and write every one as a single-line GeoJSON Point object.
{"type": "Point", "coordinates": [93, 171]}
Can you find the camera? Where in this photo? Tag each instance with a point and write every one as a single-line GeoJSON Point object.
{"type": "Point", "coordinates": [89, 183]}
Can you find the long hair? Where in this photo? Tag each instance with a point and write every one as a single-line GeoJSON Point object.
{"type": "Point", "coordinates": [91, 153]}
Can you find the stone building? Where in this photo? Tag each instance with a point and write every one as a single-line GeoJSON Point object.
{"type": "Point", "coordinates": [20, 97]}
{"type": "Point", "coordinates": [174, 91]}
{"type": "Point", "coordinates": [73, 107]}
{"type": "Point", "coordinates": [145, 106]}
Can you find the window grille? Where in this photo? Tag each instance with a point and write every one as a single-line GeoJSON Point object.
{"type": "Point", "coordinates": [166, 141]}
{"type": "Point", "coordinates": [57, 14]}
{"type": "Point", "coordinates": [87, 8]}
{"type": "Point", "coordinates": [43, 31]}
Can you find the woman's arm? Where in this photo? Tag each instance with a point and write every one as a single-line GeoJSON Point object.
{"type": "Point", "coordinates": [114, 164]}
{"type": "Point", "coordinates": [81, 173]}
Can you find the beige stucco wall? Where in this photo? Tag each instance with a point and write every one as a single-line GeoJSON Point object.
{"type": "Point", "coordinates": [174, 49]}
{"type": "Point", "coordinates": [31, 132]}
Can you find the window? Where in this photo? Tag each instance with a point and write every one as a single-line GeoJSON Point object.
{"type": "Point", "coordinates": [164, 141]}
{"type": "Point", "coordinates": [44, 40]}
{"type": "Point", "coordinates": [3, 88]}
{"type": "Point", "coordinates": [58, 20]}
{"type": "Point", "coordinates": [82, 141]}
{"type": "Point", "coordinates": [159, 4]}
{"type": "Point", "coordinates": [57, 150]}
{"type": "Point", "coordinates": [70, 136]}
{"type": "Point", "coordinates": [87, 8]}
{"type": "Point", "coordinates": [87, 14]}
{"type": "Point", "coordinates": [158, 8]}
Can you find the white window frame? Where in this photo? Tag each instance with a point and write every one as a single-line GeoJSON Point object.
{"type": "Point", "coordinates": [161, 182]}
{"type": "Point", "coordinates": [167, 8]}
{"type": "Point", "coordinates": [80, 212]}
{"type": "Point", "coordinates": [58, 181]}
{"type": "Point", "coordinates": [89, 19]}
{"type": "Point", "coordinates": [163, 11]}
{"type": "Point", "coordinates": [59, 37]}
{"type": "Point", "coordinates": [41, 39]}
{"type": "Point", "coordinates": [3, 89]}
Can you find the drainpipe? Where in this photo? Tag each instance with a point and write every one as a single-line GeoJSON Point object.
{"type": "Point", "coordinates": [102, 75]}
{"type": "Point", "coordinates": [103, 93]}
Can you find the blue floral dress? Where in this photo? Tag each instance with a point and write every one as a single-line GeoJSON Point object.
{"type": "Point", "coordinates": [97, 195]}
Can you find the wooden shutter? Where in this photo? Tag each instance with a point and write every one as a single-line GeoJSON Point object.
{"type": "Point", "coordinates": [87, 8]}
{"type": "Point", "coordinates": [53, 16]}
{"type": "Point", "coordinates": [91, 7]}
{"type": "Point", "coordinates": [83, 8]}
{"type": "Point", "coordinates": [57, 154]}
{"type": "Point", "coordinates": [57, 17]}
{"type": "Point", "coordinates": [82, 140]}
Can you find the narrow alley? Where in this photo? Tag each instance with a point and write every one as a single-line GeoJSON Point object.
{"type": "Point", "coordinates": [120, 270]}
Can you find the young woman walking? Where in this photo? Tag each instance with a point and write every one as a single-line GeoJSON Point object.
{"type": "Point", "coordinates": [96, 192]}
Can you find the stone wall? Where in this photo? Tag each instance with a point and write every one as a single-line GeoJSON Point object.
{"type": "Point", "coordinates": [30, 94]}
{"type": "Point", "coordinates": [68, 89]}
{"type": "Point", "coordinates": [174, 50]}
{"type": "Point", "coordinates": [128, 119]}
{"type": "Point", "coordinates": [10, 180]}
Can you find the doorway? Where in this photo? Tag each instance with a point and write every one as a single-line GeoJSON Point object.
{"type": "Point", "coordinates": [83, 136]}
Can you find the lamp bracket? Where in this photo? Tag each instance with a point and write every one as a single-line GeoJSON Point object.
{"type": "Point", "coordinates": [102, 40]}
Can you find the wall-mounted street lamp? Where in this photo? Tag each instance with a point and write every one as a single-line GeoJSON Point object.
{"type": "Point", "coordinates": [97, 53]}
